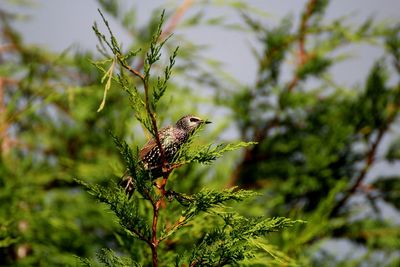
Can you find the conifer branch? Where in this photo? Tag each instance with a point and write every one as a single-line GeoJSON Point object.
{"type": "Point", "coordinates": [131, 70]}
{"type": "Point", "coordinates": [122, 207]}
{"type": "Point", "coordinates": [145, 106]}
{"type": "Point", "coordinates": [152, 56]}
{"type": "Point", "coordinates": [230, 243]}
{"type": "Point", "coordinates": [370, 157]}
{"type": "Point", "coordinates": [204, 201]}
{"type": "Point", "coordinates": [269, 70]}
{"type": "Point", "coordinates": [109, 258]}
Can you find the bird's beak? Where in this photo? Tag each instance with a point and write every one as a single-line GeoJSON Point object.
{"type": "Point", "coordinates": [207, 122]}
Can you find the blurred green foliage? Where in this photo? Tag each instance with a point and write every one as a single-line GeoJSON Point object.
{"type": "Point", "coordinates": [317, 143]}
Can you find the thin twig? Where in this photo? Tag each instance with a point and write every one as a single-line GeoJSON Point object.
{"type": "Point", "coordinates": [170, 27]}
{"type": "Point", "coordinates": [249, 155]}
{"type": "Point", "coordinates": [6, 142]}
{"type": "Point", "coordinates": [302, 56]}
{"type": "Point", "coordinates": [153, 243]}
{"type": "Point", "coordinates": [177, 224]}
{"type": "Point", "coordinates": [149, 196]}
{"type": "Point", "coordinates": [165, 173]}
{"type": "Point", "coordinates": [260, 135]}
{"type": "Point", "coordinates": [166, 170]}
{"type": "Point", "coordinates": [154, 240]}
{"type": "Point", "coordinates": [175, 19]}
{"type": "Point", "coordinates": [369, 161]}
{"type": "Point", "coordinates": [140, 236]}
{"type": "Point", "coordinates": [7, 47]}
{"type": "Point", "coordinates": [130, 69]}
{"type": "Point", "coordinates": [194, 263]}
{"type": "Point", "coordinates": [156, 204]}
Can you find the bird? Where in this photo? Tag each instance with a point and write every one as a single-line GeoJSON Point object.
{"type": "Point", "coordinates": [171, 138]}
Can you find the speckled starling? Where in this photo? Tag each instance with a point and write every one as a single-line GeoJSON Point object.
{"type": "Point", "coordinates": [171, 139]}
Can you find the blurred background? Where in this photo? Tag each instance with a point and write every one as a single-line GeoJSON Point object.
{"type": "Point", "coordinates": [315, 83]}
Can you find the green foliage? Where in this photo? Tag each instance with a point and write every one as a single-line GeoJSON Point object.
{"type": "Point", "coordinates": [389, 189]}
{"type": "Point", "coordinates": [131, 211]}
{"type": "Point", "coordinates": [204, 201]}
{"type": "Point", "coordinates": [232, 242]}
{"type": "Point", "coordinates": [159, 90]}
{"type": "Point", "coordinates": [208, 153]}
{"type": "Point", "coordinates": [309, 144]}
{"type": "Point", "coordinates": [207, 199]}
{"type": "Point", "coordinates": [314, 67]}
{"type": "Point", "coordinates": [126, 210]}
{"type": "Point", "coordinates": [6, 236]}
{"type": "Point", "coordinates": [317, 138]}
{"type": "Point", "coordinates": [393, 152]}
{"type": "Point", "coordinates": [46, 115]}
{"type": "Point", "coordinates": [108, 258]}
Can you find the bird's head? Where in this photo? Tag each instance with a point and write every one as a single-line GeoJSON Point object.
{"type": "Point", "coordinates": [190, 123]}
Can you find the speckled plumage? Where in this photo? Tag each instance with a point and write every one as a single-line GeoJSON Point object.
{"type": "Point", "coordinates": [171, 139]}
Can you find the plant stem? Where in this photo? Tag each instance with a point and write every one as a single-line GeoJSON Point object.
{"type": "Point", "coordinates": [302, 56]}
{"type": "Point", "coordinates": [165, 170]}
{"type": "Point", "coordinates": [154, 255]}
{"type": "Point", "coordinates": [154, 240]}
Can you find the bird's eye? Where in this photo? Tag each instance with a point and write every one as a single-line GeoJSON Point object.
{"type": "Point", "coordinates": [194, 119]}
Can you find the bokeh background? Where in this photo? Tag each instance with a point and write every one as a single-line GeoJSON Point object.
{"type": "Point", "coordinates": [334, 135]}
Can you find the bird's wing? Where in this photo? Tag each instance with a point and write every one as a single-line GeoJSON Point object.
{"type": "Point", "coordinates": [152, 143]}
{"type": "Point", "coordinates": [147, 148]}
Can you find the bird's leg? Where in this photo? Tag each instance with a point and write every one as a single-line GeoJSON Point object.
{"type": "Point", "coordinates": [129, 183]}
{"type": "Point", "coordinates": [157, 184]}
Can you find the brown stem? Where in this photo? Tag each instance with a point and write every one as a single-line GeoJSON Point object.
{"type": "Point", "coordinates": [369, 161]}
{"type": "Point", "coordinates": [6, 141]}
{"type": "Point", "coordinates": [140, 236]}
{"type": "Point", "coordinates": [171, 26]}
{"type": "Point", "coordinates": [154, 240]}
{"type": "Point", "coordinates": [136, 73]}
{"type": "Point", "coordinates": [180, 222]}
{"type": "Point", "coordinates": [3, 125]}
{"type": "Point", "coordinates": [7, 47]}
{"type": "Point", "coordinates": [131, 70]}
{"type": "Point", "coordinates": [292, 84]}
{"type": "Point", "coordinates": [149, 196]}
{"type": "Point", "coordinates": [368, 164]}
{"type": "Point", "coordinates": [194, 263]}
{"type": "Point", "coordinates": [165, 170]}
{"type": "Point", "coordinates": [165, 173]}
{"type": "Point", "coordinates": [259, 135]}
{"type": "Point", "coordinates": [303, 29]}
{"type": "Point", "coordinates": [251, 153]}
{"type": "Point", "coordinates": [302, 56]}
{"type": "Point", "coordinates": [175, 19]}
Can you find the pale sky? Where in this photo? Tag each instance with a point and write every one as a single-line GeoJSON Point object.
{"type": "Point", "coordinates": [57, 24]}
